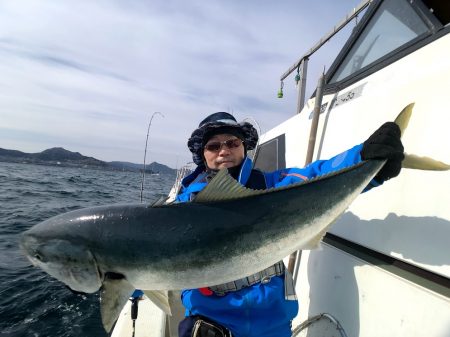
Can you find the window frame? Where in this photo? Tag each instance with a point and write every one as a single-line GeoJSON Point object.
{"type": "Point", "coordinates": [435, 31]}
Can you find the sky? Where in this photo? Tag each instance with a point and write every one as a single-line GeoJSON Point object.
{"type": "Point", "coordinates": [88, 75]}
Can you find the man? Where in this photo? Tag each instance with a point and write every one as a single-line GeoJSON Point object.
{"type": "Point", "coordinates": [258, 305]}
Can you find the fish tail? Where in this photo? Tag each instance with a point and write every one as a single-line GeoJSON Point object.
{"type": "Point", "coordinates": [413, 161]}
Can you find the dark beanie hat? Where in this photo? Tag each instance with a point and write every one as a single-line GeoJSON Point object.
{"type": "Point", "coordinates": [220, 123]}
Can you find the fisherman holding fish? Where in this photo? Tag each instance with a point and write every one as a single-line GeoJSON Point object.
{"type": "Point", "coordinates": [262, 304]}
{"type": "Point", "coordinates": [227, 232]}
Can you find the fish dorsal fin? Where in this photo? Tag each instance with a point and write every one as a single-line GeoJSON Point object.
{"type": "Point", "coordinates": [224, 187]}
{"type": "Point", "coordinates": [403, 117]}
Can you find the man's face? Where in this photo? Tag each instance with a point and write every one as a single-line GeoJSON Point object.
{"type": "Point", "coordinates": [224, 156]}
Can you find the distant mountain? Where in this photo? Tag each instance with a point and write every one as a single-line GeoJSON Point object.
{"type": "Point", "coordinates": [150, 168]}
{"type": "Point", "coordinates": [62, 157]}
{"type": "Point", "coordinates": [59, 153]}
{"type": "Point", "coordinates": [53, 156]}
{"type": "Point", "coordinates": [11, 153]}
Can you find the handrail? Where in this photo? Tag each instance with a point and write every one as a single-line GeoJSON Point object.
{"type": "Point", "coordinates": [349, 17]}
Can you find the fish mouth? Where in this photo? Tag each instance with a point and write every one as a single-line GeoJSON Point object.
{"type": "Point", "coordinates": [29, 245]}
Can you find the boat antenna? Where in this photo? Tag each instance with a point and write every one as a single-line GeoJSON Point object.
{"type": "Point", "coordinates": [145, 152]}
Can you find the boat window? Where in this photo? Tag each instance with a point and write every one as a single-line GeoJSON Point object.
{"type": "Point", "coordinates": [394, 24]}
{"type": "Point", "coordinates": [271, 155]}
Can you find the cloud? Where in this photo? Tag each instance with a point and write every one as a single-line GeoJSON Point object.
{"type": "Point", "coordinates": [88, 75]}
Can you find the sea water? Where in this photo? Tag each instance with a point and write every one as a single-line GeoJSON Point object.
{"type": "Point", "coordinates": [31, 302]}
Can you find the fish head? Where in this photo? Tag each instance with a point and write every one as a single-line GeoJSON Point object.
{"type": "Point", "coordinates": [70, 263]}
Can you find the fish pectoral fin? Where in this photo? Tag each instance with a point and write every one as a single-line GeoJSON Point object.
{"type": "Point", "coordinates": [412, 161]}
{"type": "Point", "coordinates": [114, 294]}
{"type": "Point", "coordinates": [160, 298]}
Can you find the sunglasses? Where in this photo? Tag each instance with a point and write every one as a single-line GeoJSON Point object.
{"type": "Point", "coordinates": [217, 146]}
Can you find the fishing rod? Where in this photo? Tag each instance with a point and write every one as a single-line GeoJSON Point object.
{"type": "Point", "coordinates": [145, 152]}
{"type": "Point", "coordinates": [256, 149]}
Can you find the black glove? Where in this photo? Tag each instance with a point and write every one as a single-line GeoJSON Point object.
{"type": "Point", "coordinates": [385, 143]}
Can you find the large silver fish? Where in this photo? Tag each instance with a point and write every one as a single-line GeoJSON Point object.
{"type": "Point", "coordinates": [226, 233]}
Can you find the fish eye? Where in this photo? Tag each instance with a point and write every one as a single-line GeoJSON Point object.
{"type": "Point", "coordinates": [38, 257]}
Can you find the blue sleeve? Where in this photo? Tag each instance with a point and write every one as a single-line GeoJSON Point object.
{"type": "Point", "coordinates": [294, 175]}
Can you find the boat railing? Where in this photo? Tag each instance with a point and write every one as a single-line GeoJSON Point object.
{"type": "Point", "coordinates": [301, 65]}
{"type": "Point", "coordinates": [181, 174]}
